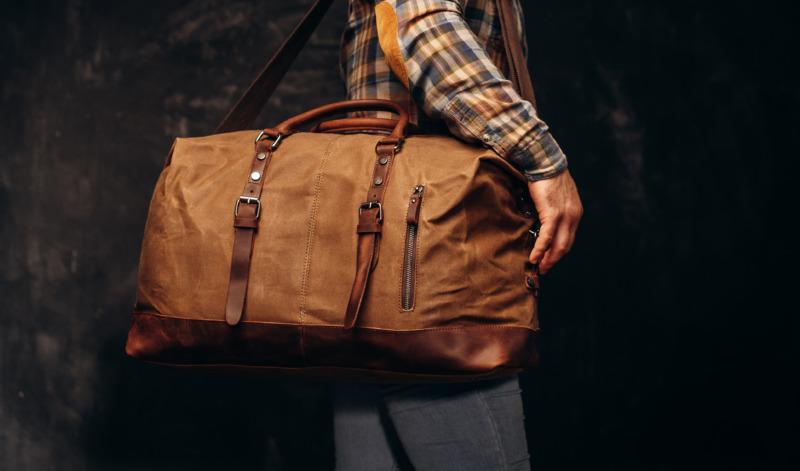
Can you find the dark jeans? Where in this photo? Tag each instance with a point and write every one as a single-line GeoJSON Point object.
{"type": "Point", "coordinates": [432, 427]}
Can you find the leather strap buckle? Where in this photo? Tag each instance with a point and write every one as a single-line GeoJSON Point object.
{"type": "Point", "coordinates": [370, 205]}
{"type": "Point", "coordinates": [248, 200]}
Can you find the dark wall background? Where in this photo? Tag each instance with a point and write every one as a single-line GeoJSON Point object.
{"type": "Point", "coordinates": [667, 343]}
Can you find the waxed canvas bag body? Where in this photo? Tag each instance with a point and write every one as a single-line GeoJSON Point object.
{"type": "Point", "coordinates": [345, 247]}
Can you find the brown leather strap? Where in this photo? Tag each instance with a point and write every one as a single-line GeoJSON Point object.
{"type": "Point", "coordinates": [246, 213]}
{"type": "Point", "coordinates": [346, 125]}
{"type": "Point", "coordinates": [370, 220]}
{"type": "Point", "coordinates": [289, 126]}
{"type": "Point", "coordinates": [249, 105]}
{"type": "Point", "coordinates": [512, 41]}
{"type": "Point", "coordinates": [245, 111]}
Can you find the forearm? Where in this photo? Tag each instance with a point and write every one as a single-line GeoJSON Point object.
{"type": "Point", "coordinates": [429, 45]}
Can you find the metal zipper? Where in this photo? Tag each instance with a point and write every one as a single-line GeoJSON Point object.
{"type": "Point", "coordinates": [410, 253]}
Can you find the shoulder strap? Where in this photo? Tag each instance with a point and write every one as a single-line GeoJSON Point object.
{"type": "Point", "coordinates": [512, 41]}
{"type": "Point", "coordinates": [246, 110]}
{"type": "Point", "coordinates": [253, 100]}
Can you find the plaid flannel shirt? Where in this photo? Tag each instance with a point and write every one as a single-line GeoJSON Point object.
{"type": "Point", "coordinates": [447, 58]}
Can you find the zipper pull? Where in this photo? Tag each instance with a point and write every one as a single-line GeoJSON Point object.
{"type": "Point", "coordinates": [414, 203]}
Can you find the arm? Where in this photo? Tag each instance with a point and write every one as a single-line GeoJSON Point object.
{"type": "Point", "coordinates": [431, 49]}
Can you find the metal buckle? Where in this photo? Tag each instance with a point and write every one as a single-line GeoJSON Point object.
{"type": "Point", "coordinates": [370, 205]}
{"type": "Point", "coordinates": [274, 144]}
{"type": "Point", "coordinates": [535, 229]}
{"type": "Point", "coordinates": [248, 200]}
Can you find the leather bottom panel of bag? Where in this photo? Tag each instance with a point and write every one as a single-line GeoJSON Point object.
{"type": "Point", "coordinates": [447, 299]}
{"type": "Point", "coordinates": [446, 354]}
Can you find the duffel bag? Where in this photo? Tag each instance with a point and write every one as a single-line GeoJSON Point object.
{"type": "Point", "coordinates": [345, 247]}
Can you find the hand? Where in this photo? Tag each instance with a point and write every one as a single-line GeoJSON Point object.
{"type": "Point", "coordinates": [560, 209]}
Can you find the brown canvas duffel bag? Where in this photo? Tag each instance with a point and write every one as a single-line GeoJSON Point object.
{"type": "Point", "coordinates": [354, 249]}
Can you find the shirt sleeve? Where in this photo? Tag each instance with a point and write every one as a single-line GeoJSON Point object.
{"type": "Point", "coordinates": [430, 47]}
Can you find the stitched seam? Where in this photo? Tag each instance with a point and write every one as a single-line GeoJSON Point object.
{"type": "Point", "coordinates": [465, 327]}
{"type": "Point", "coordinates": [512, 392]}
{"type": "Point", "coordinates": [497, 441]}
{"type": "Point", "coordinates": [311, 227]}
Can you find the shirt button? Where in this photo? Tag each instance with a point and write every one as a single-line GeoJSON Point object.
{"type": "Point", "coordinates": [487, 138]}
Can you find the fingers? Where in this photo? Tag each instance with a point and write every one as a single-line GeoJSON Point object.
{"type": "Point", "coordinates": [557, 241]}
{"type": "Point", "coordinates": [547, 233]}
{"type": "Point", "coordinates": [562, 243]}
{"type": "Point", "coordinates": [560, 210]}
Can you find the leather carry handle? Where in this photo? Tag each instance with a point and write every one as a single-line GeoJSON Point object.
{"type": "Point", "coordinates": [253, 100]}
{"type": "Point", "coordinates": [398, 131]}
{"type": "Point", "coordinates": [350, 125]}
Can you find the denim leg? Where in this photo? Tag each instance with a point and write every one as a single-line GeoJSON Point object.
{"type": "Point", "coordinates": [460, 426]}
{"type": "Point", "coordinates": [361, 441]}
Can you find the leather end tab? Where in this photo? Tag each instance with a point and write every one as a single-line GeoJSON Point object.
{"type": "Point", "coordinates": [232, 320]}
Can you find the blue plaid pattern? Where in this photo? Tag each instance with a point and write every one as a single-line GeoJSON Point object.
{"type": "Point", "coordinates": [452, 53]}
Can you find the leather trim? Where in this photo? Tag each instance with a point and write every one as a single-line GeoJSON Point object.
{"type": "Point", "coordinates": [386, 22]}
{"type": "Point", "coordinates": [447, 353]}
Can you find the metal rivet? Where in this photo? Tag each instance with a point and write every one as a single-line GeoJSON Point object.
{"type": "Point", "coordinates": [383, 161]}
{"type": "Point", "coordinates": [261, 156]}
{"type": "Point", "coordinates": [255, 176]}
{"type": "Point", "coordinates": [378, 181]}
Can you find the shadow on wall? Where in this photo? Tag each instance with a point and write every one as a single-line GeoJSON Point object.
{"type": "Point", "coordinates": [155, 417]}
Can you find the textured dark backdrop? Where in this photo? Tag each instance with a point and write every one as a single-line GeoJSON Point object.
{"type": "Point", "coordinates": [665, 343]}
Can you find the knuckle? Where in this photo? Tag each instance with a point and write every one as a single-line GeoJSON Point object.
{"type": "Point", "coordinates": [575, 211]}
{"type": "Point", "coordinates": [552, 214]}
{"type": "Point", "coordinates": [559, 250]}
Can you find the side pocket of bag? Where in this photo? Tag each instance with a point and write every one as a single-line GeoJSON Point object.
{"type": "Point", "coordinates": [409, 275]}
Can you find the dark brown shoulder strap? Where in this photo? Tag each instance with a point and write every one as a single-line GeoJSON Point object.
{"type": "Point", "coordinates": [247, 108]}
{"type": "Point", "coordinates": [512, 41]}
